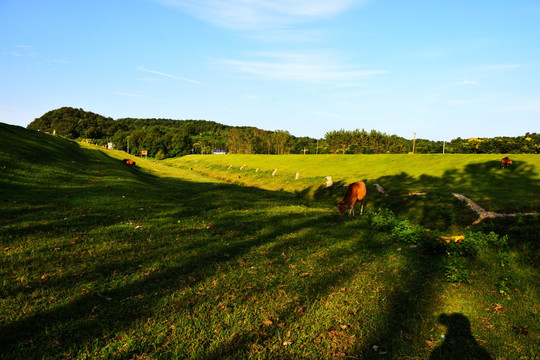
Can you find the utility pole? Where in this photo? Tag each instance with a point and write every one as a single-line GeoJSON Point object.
{"type": "Point", "coordinates": [128, 145]}
{"type": "Point", "coordinates": [317, 147]}
{"type": "Point", "coordinates": [443, 146]}
{"type": "Point", "coordinates": [414, 143]}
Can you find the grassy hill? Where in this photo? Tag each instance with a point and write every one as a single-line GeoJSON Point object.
{"type": "Point", "coordinates": [102, 260]}
{"type": "Point", "coordinates": [479, 177]}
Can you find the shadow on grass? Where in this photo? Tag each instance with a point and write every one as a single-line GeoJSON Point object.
{"type": "Point", "coordinates": [216, 224]}
{"type": "Point", "coordinates": [117, 276]}
{"type": "Point", "coordinates": [508, 190]}
{"type": "Point", "coordinates": [217, 229]}
{"type": "Point", "coordinates": [405, 310]}
{"type": "Point", "coordinates": [459, 342]}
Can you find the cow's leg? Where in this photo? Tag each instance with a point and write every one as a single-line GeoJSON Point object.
{"type": "Point", "coordinates": [362, 208]}
{"type": "Point", "coordinates": [353, 205]}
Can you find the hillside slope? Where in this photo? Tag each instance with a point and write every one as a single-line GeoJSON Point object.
{"type": "Point", "coordinates": [479, 177]}
{"type": "Point", "coordinates": [102, 260]}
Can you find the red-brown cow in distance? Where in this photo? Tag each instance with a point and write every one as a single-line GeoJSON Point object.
{"type": "Point", "coordinates": [129, 162]}
{"type": "Point", "coordinates": [505, 162]}
{"type": "Point", "coordinates": [355, 192]}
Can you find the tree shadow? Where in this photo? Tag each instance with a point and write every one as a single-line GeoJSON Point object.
{"type": "Point", "coordinates": [111, 307]}
{"type": "Point", "coordinates": [230, 232]}
{"type": "Point", "coordinates": [508, 190]}
{"type": "Point", "coordinates": [431, 206]}
{"type": "Point", "coordinates": [459, 342]}
{"type": "Point", "coordinates": [406, 307]}
{"type": "Point", "coordinates": [324, 192]}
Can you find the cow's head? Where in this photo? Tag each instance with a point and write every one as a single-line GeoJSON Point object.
{"type": "Point", "coordinates": [342, 207]}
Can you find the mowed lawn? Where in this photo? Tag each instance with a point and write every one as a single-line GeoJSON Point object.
{"type": "Point", "coordinates": [102, 260]}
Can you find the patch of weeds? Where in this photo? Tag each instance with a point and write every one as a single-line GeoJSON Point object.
{"type": "Point", "coordinates": [519, 232]}
{"type": "Point", "coordinates": [469, 246]}
{"type": "Point", "coordinates": [382, 220]}
{"type": "Point", "coordinates": [456, 269]}
{"type": "Point", "coordinates": [504, 280]}
{"type": "Point", "coordinates": [457, 250]}
{"type": "Point", "coordinates": [504, 284]}
{"type": "Point", "coordinates": [408, 232]}
{"type": "Point", "coordinates": [503, 258]}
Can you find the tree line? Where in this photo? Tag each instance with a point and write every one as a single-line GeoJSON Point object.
{"type": "Point", "coordinates": [164, 138]}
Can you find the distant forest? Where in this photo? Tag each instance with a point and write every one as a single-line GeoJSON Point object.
{"type": "Point", "coordinates": [165, 138]}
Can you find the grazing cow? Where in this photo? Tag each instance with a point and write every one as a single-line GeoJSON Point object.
{"type": "Point", "coordinates": [129, 162]}
{"type": "Point", "coordinates": [505, 162]}
{"type": "Point", "coordinates": [355, 192]}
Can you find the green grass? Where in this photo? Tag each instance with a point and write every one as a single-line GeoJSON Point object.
{"type": "Point", "coordinates": [475, 176]}
{"type": "Point", "coordinates": [101, 260]}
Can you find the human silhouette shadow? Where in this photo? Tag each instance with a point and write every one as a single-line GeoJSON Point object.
{"type": "Point", "coordinates": [459, 342]}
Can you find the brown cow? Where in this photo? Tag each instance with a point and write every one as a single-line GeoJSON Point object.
{"type": "Point", "coordinates": [355, 192]}
{"type": "Point", "coordinates": [129, 162]}
{"type": "Point", "coordinates": [505, 162]}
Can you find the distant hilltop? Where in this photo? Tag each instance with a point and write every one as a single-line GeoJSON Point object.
{"type": "Point", "coordinates": [165, 138]}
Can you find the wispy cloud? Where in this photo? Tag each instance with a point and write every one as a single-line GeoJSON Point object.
{"type": "Point", "coordinates": [25, 50]}
{"type": "Point", "coordinates": [311, 68]}
{"type": "Point", "coordinates": [141, 68]}
{"type": "Point", "coordinates": [287, 35]}
{"type": "Point", "coordinates": [251, 97]}
{"type": "Point", "coordinates": [60, 61]}
{"type": "Point", "coordinates": [468, 82]}
{"type": "Point", "coordinates": [29, 52]}
{"type": "Point", "coordinates": [461, 102]}
{"type": "Point", "coordinates": [250, 14]}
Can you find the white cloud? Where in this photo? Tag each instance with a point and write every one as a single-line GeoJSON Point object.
{"type": "Point", "coordinates": [141, 68]}
{"type": "Point", "coordinates": [468, 82]}
{"type": "Point", "coordinates": [60, 61]}
{"type": "Point", "coordinates": [287, 35]}
{"type": "Point", "coordinates": [460, 102]}
{"type": "Point", "coordinates": [251, 97]}
{"type": "Point", "coordinates": [129, 94]}
{"type": "Point", "coordinates": [249, 14]}
{"type": "Point", "coordinates": [311, 68]}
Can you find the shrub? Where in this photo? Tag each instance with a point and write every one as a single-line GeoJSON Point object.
{"type": "Point", "coordinates": [382, 220]}
{"type": "Point", "coordinates": [408, 232]}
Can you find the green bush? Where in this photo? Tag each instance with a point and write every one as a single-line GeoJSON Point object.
{"type": "Point", "coordinates": [408, 232]}
{"type": "Point", "coordinates": [382, 220]}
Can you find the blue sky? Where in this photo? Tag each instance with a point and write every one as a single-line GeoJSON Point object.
{"type": "Point", "coordinates": [442, 69]}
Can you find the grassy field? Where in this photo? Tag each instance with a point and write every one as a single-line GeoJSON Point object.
{"type": "Point", "coordinates": [476, 176]}
{"type": "Point", "coordinates": [102, 260]}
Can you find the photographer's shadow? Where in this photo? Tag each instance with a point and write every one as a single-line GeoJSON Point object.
{"type": "Point", "coordinates": [459, 342]}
